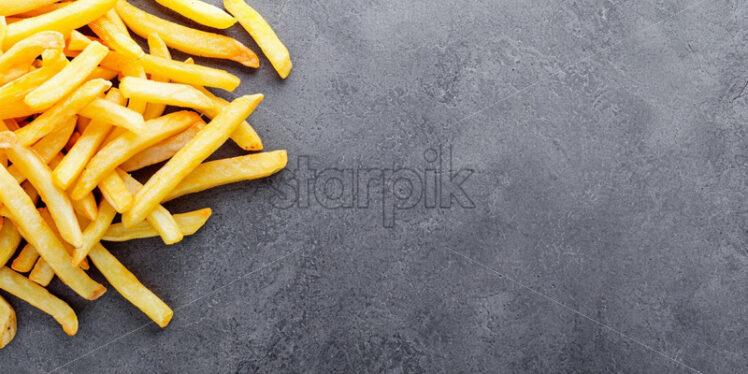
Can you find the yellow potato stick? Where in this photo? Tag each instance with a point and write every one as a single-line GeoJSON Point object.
{"type": "Point", "coordinates": [25, 259]}
{"type": "Point", "coordinates": [64, 20]}
{"type": "Point", "coordinates": [14, 7]}
{"type": "Point", "coordinates": [115, 114]}
{"type": "Point", "coordinates": [49, 147]}
{"type": "Point", "coordinates": [115, 191]}
{"type": "Point", "coordinates": [115, 38]}
{"type": "Point", "coordinates": [44, 9]}
{"type": "Point", "coordinates": [3, 30]}
{"type": "Point", "coordinates": [50, 222]}
{"type": "Point", "coordinates": [245, 136]}
{"type": "Point", "coordinates": [188, 224]}
{"type": "Point", "coordinates": [45, 123]}
{"type": "Point", "coordinates": [95, 231]}
{"type": "Point", "coordinates": [159, 218]}
{"type": "Point", "coordinates": [25, 52]}
{"type": "Point", "coordinates": [10, 238]}
{"type": "Point", "coordinates": [41, 274]}
{"type": "Point", "coordinates": [30, 192]}
{"type": "Point", "coordinates": [8, 323]}
{"type": "Point", "coordinates": [185, 39]}
{"type": "Point", "coordinates": [77, 41]}
{"type": "Point", "coordinates": [102, 73]}
{"type": "Point", "coordinates": [189, 73]}
{"type": "Point", "coordinates": [75, 160]}
{"type": "Point", "coordinates": [114, 17]}
{"type": "Point", "coordinates": [68, 79]}
{"type": "Point", "coordinates": [16, 110]}
{"type": "Point", "coordinates": [156, 47]}
{"type": "Point", "coordinates": [162, 151]}
{"type": "Point", "coordinates": [36, 295]}
{"type": "Point", "coordinates": [86, 207]}
{"type": "Point", "coordinates": [176, 94]}
{"type": "Point", "coordinates": [40, 176]}
{"type": "Point", "coordinates": [188, 158]}
{"type": "Point", "coordinates": [135, 70]}
{"type": "Point", "coordinates": [263, 34]}
{"type": "Point", "coordinates": [129, 287]}
{"type": "Point", "coordinates": [127, 145]}
{"type": "Point", "coordinates": [17, 89]}
{"type": "Point", "coordinates": [200, 12]}
{"type": "Point", "coordinates": [220, 172]}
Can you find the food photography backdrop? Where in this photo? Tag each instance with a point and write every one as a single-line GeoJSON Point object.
{"type": "Point", "coordinates": [505, 186]}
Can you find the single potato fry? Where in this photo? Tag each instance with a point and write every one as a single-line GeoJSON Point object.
{"type": "Point", "coordinates": [162, 151]}
{"type": "Point", "coordinates": [10, 238]}
{"type": "Point", "coordinates": [75, 160]}
{"type": "Point", "coordinates": [156, 47]}
{"type": "Point", "coordinates": [78, 41]}
{"type": "Point", "coordinates": [129, 287]}
{"type": "Point", "coordinates": [135, 70]}
{"type": "Point", "coordinates": [127, 145]}
{"type": "Point", "coordinates": [44, 9]}
{"type": "Point", "coordinates": [48, 147]}
{"type": "Point", "coordinates": [42, 274]}
{"type": "Point", "coordinates": [68, 79]}
{"type": "Point", "coordinates": [95, 231]}
{"type": "Point", "coordinates": [117, 115]}
{"type": "Point", "coordinates": [245, 136]}
{"type": "Point", "coordinates": [188, 224]}
{"type": "Point", "coordinates": [200, 12]}
{"type": "Point", "coordinates": [45, 123]}
{"type": "Point", "coordinates": [24, 262]}
{"type": "Point", "coordinates": [175, 94]}
{"type": "Point", "coordinates": [115, 191]}
{"type": "Point", "coordinates": [13, 7]}
{"type": "Point", "coordinates": [185, 39]}
{"type": "Point", "coordinates": [86, 207]}
{"type": "Point", "coordinates": [64, 20]}
{"type": "Point", "coordinates": [8, 323]}
{"type": "Point", "coordinates": [36, 295]}
{"type": "Point", "coordinates": [217, 173]}
{"type": "Point", "coordinates": [102, 73]}
{"type": "Point", "coordinates": [188, 158]}
{"type": "Point", "coordinates": [25, 51]}
{"type": "Point", "coordinates": [116, 38]}
{"type": "Point", "coordinates": [263, 34]}
{"type": "Point", "coordinates": [190, 73]}
{"type": "Point", "coordinates": [159, 218]}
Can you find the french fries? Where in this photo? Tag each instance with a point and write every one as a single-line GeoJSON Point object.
{"type": "Point", "coordinates": [188, 158]}
{"type": "Point", "coordinates": [68, 136]}
{"type": "Point", "coordinates": [188, 224]}
{"type": "Point", "coordinates": [129, 287]}
{"type": "Point", "coordinates": [185, 39]}
{"type": "Point", "coordinates": [263, 34]}
{"type": "Point", "coordinates": [36, 295]}
{"type": "Point", "coordinates": [200, 12]}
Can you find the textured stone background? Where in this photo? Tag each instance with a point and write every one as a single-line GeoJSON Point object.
{"type": "Point", "coordinates": [610, 227]}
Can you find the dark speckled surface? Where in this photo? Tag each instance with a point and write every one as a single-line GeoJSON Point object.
{"type": "Point", "coordinates": [601, 223]}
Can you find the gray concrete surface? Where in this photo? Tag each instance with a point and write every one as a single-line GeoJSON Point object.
{"type": "Point", "coordinates": [604, 227]}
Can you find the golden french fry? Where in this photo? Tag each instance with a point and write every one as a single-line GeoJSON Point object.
{"type": "Point", "coordinates": [40, 176]}
{"type": "Point", "coordinates": [41, 274]}
{"type": "Point", "coordinates": [129, 287]}
{"type": "Point", "coordinates": [127, 145]}
{"type": "Point", "coordinates": [95, 231]}
{"type": "Point", "coordinates": [48, 147]}
{"type": "Point", "coordinates": [68, 79]}
{"type": "Point", "coordinates": [159, 218]}
{"type": "Point", "coordinates": [10, 238]}
{"type": "Point", "coordinates": [185, 39]}
{"type": "Point", "coordinates": [263, 34]}
{"type": "Point", "coordinates": [64, 20]}
{"type": "Point", "coordinates": [75, 160]}
{"type": "Point", "coordinates": [13, 7]}
{"type": "Point", "coordinates": [188, 158]}
{"type": "Point", "coordinates": [8, 323]}
{"type": "Point", "coordinates": [245, 136]}
{"type": "Point", "coordinates": [25, 51]}
{"type": "Point", "coordinates": [200, 12]}
{"type": "Point", "coordinates": [156, 47]}
{"type": "Point", "coordinates": [25, 259]}
{"type": "Point", "coordinates": [43, 9]}
{"type": "Point", "coordinates": [51, 223]}
{"type": "Point", "coordinates": [86, 207]}
{"type": "Point", "coordinates": [135, 70]}
{"type": "Point", "coordinates": [115, 38]}
{"type": "Point", "coordinates": [190, 73]}
{"type": "Point", "coordinates": [36, 295]}
{"type": "Point", "coordinates": [114, 17]}
{"type": "Point", "coordinates": [102, 73]}
{"type": "Point", "coordinates": [188, 224]}
{"type": "Point", "coordinates": [16, 110]}
{"type": "Point", "coordinates": [176, 94]}
{"type": "Point", "coordinates": [3, 31]}
{"type": "Point", "coordinates": [115, 191]}
{"type": "Point", "coordinates": [67, 107]}
{"type": "Point", "coordinates": [30, 192]}
{"type": "Point", "coordinates": [217, 173]}
{"type": "Point", "coordinates": [115, 114]}
{"type": "Point", "coordinates": [16, 90]}
{"type": "Point", "coordinates": [77, 41]}
{"type": "Point", "coordinates": [162, 151]}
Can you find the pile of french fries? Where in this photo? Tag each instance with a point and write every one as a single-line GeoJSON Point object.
{"type": "Point", "coordinates": [81, 107]}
